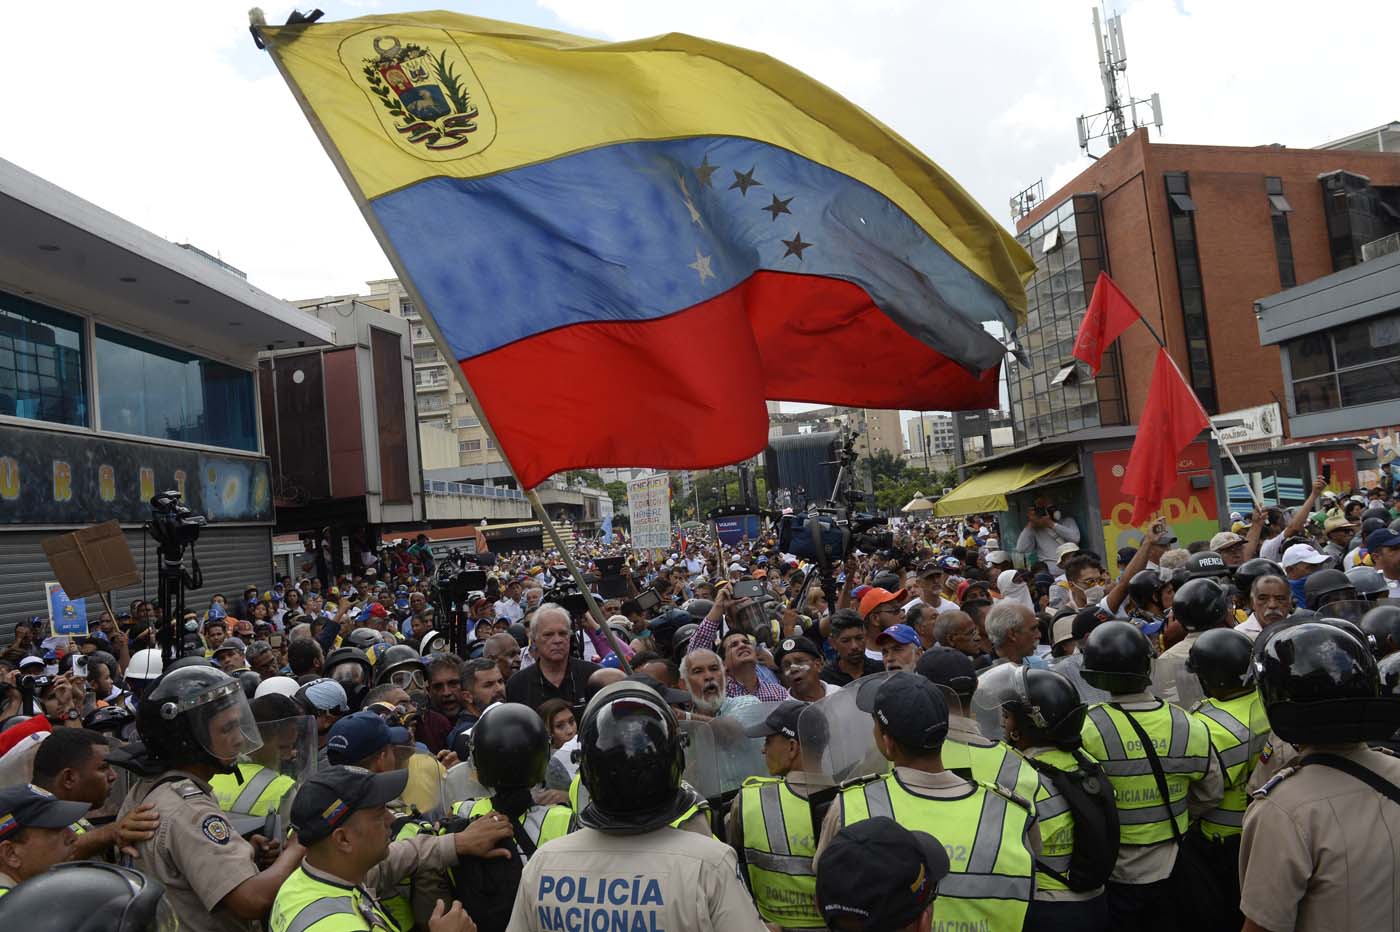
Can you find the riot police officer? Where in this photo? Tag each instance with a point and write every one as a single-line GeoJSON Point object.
{"type": "Point", "coordinates": [288, 743]}
{"type": "Point", "coordinates": [1043, 718]}
{"type": "Point", "coordinates": [991, 761]}
{"type": "Point", "coordinates": [1318, 849]}
{"type": "Point", "coordinates": [772, 824]}
{"type": "Point", "coordinates": [989, 832]}
{"type": "Point", "coordinates": [194, 723]}
{"type": "Point", "coordinates": [1233, 713]}
{"type": "Point", "coordinates": [625, 862]}
{"type": "Point", "coordinates": [1134, 737]}
{"type": "Point", "coordinates": [88, 895]}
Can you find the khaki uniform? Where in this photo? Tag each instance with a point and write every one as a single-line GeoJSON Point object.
{"type": "Point", "coordinates": [664, 879]}
{"type": "Point", "coordinates": [1277, 754]}
{"type": "Point", "coordinates": [195, 853]}
{"type": "Point", "coordinates": [1319, 852]}
{"type": "Point", "coordinates": [1172, 661]}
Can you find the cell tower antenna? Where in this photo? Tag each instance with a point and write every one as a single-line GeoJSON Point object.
{"type": "Point", "coordinates": [1120, 114]}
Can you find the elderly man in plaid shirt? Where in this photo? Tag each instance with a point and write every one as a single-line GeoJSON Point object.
{"type": "Point", "coordinates": [744, 675]}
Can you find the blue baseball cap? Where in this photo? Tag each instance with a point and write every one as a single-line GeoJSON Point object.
{"type": "Point", "coordinates": [321, 695]}
{"type": "Point", "coordinates": [1383, 537]}
{"type": "Point", "coordinates": [356, 737]}
{"type": "Point", "coordinates": [901, 633]}
{"type": "Point", "coordinates": [911, 709]}
{"type": "Point", "coordinates": [29, 806]}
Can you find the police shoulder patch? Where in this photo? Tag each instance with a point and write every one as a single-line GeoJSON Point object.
{"type": "Point", "coordinates": [1273, 781]}
{"type": "Point", "coordinates": [187, 789]}
{"type": "Point", "coordinates": [216, 830]}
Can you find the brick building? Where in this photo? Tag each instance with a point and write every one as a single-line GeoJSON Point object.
{"type": "Point", "coordinates": [1194, 235]}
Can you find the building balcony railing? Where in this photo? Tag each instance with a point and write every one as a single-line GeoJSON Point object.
{"type": "Point", "coordinates": [440, 487]}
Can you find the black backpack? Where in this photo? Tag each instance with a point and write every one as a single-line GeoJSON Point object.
{"type": "Point", "coordinates": [1090, 798]}
{"type": "Point", "coordinates": [487, 886]}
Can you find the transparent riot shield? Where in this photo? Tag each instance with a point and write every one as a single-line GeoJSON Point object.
{"type": "Point", "coordinates": [738, 755]}
{"type": "Point", "coordinates": [701, 761]}
{"type": "Point", "coordinates": [459, 784]}
{"type": "Point", "coordinates": [838, 739]}
{"type": "Point", "coordinates": [1072, 669]}
{"type": "Point", "coordinates": [994, 686]}
{"type": "Point", "coordinates": [289, 747]}
{"type": "Point", "coordinates": [1349, 610]}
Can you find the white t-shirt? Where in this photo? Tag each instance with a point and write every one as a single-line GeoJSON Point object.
{"type": "Point", "coordinates": [507, 608]}
{"type": "Point", "coordinates": [1250, 627]}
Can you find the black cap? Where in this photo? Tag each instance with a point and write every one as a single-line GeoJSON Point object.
{"type": "Point", "coordinates": [946, 666]}
{"type": "Point", "coordinates": [29, 806]}
{"type": "Point", "coordinates": [879, 874]}
{"type": "Point", "coordinates": [672, 696]}
{"type": "Point", "coordinates": [910, 709]}
{"type": "Point", "coordinates": [796, 645]}
{"type": "Point", "coordinates": [330, 797]}
{"type": "Point", "coordinates": [782, 720]}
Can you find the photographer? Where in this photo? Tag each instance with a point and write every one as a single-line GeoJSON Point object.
{"type": "Point", "coordinates": [1045, 531]}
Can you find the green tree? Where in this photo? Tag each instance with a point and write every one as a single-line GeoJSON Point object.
{"type": "Point", "coordinates": [617, 491]}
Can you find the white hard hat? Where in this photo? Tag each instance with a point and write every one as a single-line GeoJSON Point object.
{"type": "Point", "coordinates": [145, 665]}
{"type": "Point", "coordinates": [281, 685]}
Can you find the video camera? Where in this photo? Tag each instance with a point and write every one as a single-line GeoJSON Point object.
{"type": "Point", "coordinates": [458, 574]}
{"type": "Point", "coordinates": [827, 533]}
{"type": "Point", "coordinates": [173, 525]}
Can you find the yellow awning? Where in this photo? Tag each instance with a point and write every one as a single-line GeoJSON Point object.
{"type": "Point", "coordinates": [987, 492]}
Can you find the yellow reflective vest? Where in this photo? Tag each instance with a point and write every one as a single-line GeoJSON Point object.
{"type": "Point", "coordinates": [1183, 746]}
{"type": "Point", "coordinates": [309, 904]}
{"type": "Point", "coordinates": [990, 883]}
{"type": "Point", "coordinates": [541, 823]}
{"type": "Point", "coordinates": [258, 794]}
{"type": "Point", "coordinates": [1237, 746]}
{"type": "Point", "coordinates": [1056, 820]}
{"type": "Point", "coordinates": [576, 786]}
{"type": "Point", "coordinates": [996, 762]}
{"type": "Point", "coordinates": [779, 843]}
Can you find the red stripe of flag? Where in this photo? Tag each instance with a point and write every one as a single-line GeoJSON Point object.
{"type": "Point", "coordinates": [1110, 313]}
{"type": "Point", "coordinates": [1170, 421]}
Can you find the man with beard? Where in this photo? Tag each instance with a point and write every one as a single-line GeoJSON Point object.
{"type": "Point", "coordinates": [704, 677]}
{"type": "Point", "coordinates": [899, 646]}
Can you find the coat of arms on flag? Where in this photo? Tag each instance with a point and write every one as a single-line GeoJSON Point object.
{"type": "Point", "coordinates": [423, 92]}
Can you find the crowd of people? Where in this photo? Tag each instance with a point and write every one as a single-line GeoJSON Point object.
{"type": "Point", "coordinates": [950, 732]}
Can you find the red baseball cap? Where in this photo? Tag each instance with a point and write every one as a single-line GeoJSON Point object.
{"type": "Point", "coordinates": [876, 597]}
{"type": "Point", "coordinates": [378, 611]}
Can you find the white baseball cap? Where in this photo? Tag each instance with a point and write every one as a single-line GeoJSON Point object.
{"type": "Point", "coordinates": [998, 556]}
{"type": "Point", "coordinates": [1065, 549]}
{"type": "Point", "coordinates": [1301, 553]}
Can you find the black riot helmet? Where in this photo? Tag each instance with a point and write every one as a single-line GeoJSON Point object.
{"type": "Point", "coordinates": [1383, 624]}
{"type": "Point", "coordinates": [1327, 586]}
{"type": "Point", "coordinates": [1206, 564]}
{"type": "Point", "coordinates": [111, 719]}
{"type": "Point", "coordinates": [1047, 707]}
{"type": "Point", "coordinates": [1376, 513]}
{"type": "Point", "coordinates": [350, 667]}
{"type": "Point", "coordinates": [402, 666]}
{"type": "Point", "coordinates": [1117, 658]}
{"type": "Point", "coordinates": [1144, 587]}
{"type": "Point", "coordinates": [249, 681]}
{"type": "Point", "coordinates": [1368, 583]}
{"type": "Point", "coordinates": [631, 757]}
{"type": "Point", "coordinates": [1369, 526]}
{"type": "Point", "coordinates": [1250, 570]}
{"type": "Point", "coordinates": [363, 638]}
{"type": "Point", "coordinates": [1200, 604]}
{"type": "Point", "coordinates": [88, 896]}
{"type": "Point", "coordinates": [185, 717]}
{"type": "Point", "coordinates": [1320, 685]}
{"type": "Point", "coordinates": [1221, 660]}
{"type": "Point", "coordinates": [510, 747]}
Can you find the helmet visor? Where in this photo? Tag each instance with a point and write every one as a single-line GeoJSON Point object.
{"type": "Point", "coordinates": [221, 721]}
{"type": "Point", "coordinates": [288, 746]}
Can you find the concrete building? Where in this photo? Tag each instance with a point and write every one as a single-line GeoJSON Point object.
{"type": "Point", "coordinates": [876, 430]}
{"type": "Point", "coordinates": [929, 433]}
{"type": "Point", "coordinates": [128, 367]}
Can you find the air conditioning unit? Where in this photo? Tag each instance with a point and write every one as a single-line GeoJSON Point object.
{"type": "Point", "coordinates": [1380, 247]}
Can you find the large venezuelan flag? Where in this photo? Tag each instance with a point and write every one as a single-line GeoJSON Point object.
{"type": "Point", "coordinates": [629, 246]}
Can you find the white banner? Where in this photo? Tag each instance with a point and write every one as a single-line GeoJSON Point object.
{"type": "Point", "coordinates": [649, 507]}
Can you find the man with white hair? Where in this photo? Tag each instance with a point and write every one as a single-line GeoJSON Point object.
{"type": "Point", "coordinates": [555, 674]}
{"type": "Point", "coordinates": [703, 675]}
{"type": "Point", "coordinates": [1014, 632]}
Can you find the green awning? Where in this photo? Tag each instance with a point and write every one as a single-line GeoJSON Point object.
{"type": "Point", "coordinates": [987, 492]}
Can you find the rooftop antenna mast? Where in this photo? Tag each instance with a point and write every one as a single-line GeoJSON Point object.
{"type": "Point", "coordinates": [1120, 114]}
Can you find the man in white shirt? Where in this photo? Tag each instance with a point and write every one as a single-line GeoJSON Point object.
{"type": "Point", "coordinates": [1045, 531]}
{"type": "Point", "coordinates": [509, 604]}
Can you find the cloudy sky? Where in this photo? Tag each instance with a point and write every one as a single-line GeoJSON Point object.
{"type": "Point", "coordinates": [166, 114]}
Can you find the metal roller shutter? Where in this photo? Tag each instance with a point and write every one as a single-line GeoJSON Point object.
{"type": "Point", "coordinates": [230, 558]}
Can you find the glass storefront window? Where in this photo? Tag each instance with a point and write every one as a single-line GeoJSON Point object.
{"type": "Point", "coordinates": [152, 390]}
{"type": "Point", "coordinates": [41, 363]}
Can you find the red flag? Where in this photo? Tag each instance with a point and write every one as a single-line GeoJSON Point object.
{"type": "Point", "coordinates": [1171, 419]}
{"type": "Point", "coordinates": [1110, 313]}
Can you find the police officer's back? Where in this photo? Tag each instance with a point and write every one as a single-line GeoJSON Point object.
{"type": "Point", "coordinates": [88, 895]}
{"type": "Point", "coordinates": [1318, 849]}
{"type": "Point", "coordinates": [772, 825]}
{"type": "Point", "coordinates": [989, 832]}
{"type": "Point", "coordinates": [1125, 735]}
{"type": "Point", "coordinates": [626, 861]}
{"type": "Point", "coordinates": [194, 722]}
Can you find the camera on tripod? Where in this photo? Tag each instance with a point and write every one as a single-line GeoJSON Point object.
{"type": "Point", "coordinates": [827, 533]}
{"type": "Point", "coordinates": [173, 525]}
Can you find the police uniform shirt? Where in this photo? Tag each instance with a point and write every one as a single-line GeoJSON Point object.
{"type": "Point", "coordinates": [660, 881]}
{"type": "Point", "coordinates": [1144, 864]}
{"type": "Point", "coordinates": [7, 883]}
{"type": "Point", "coordinates": [1319, 849]}
{"type": "Point", "coordinates": [942, 785]}
{"type": "Point", "coordinates": [195, 853]}
{"type": "Point", "coordinates": [1171, 662]}
{"type": "Point", "coordinates": [1276, 755]}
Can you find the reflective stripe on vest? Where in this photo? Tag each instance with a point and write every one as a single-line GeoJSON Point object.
{"type": "Point", "coordinates": [541, 823]}
{"type": "Point", "coordinates": [252, 790]}
{"type": "Point", "coordinates": [1183, 747]}
{"type": "Point", "coordinates": [1056, 821]}
{"type": "Point", "coordinates": [990, 884]}
{"type": "Point", "coordinates": [778, 847]}
{"type": "Point", "coordinates": [999, 763]}
{"type": "Point", "coordinates": [260, 791]}
{"type": "Point", "coordinates": [1237, 748]}
{"type": "Point", "coordinates": [305, 902]}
